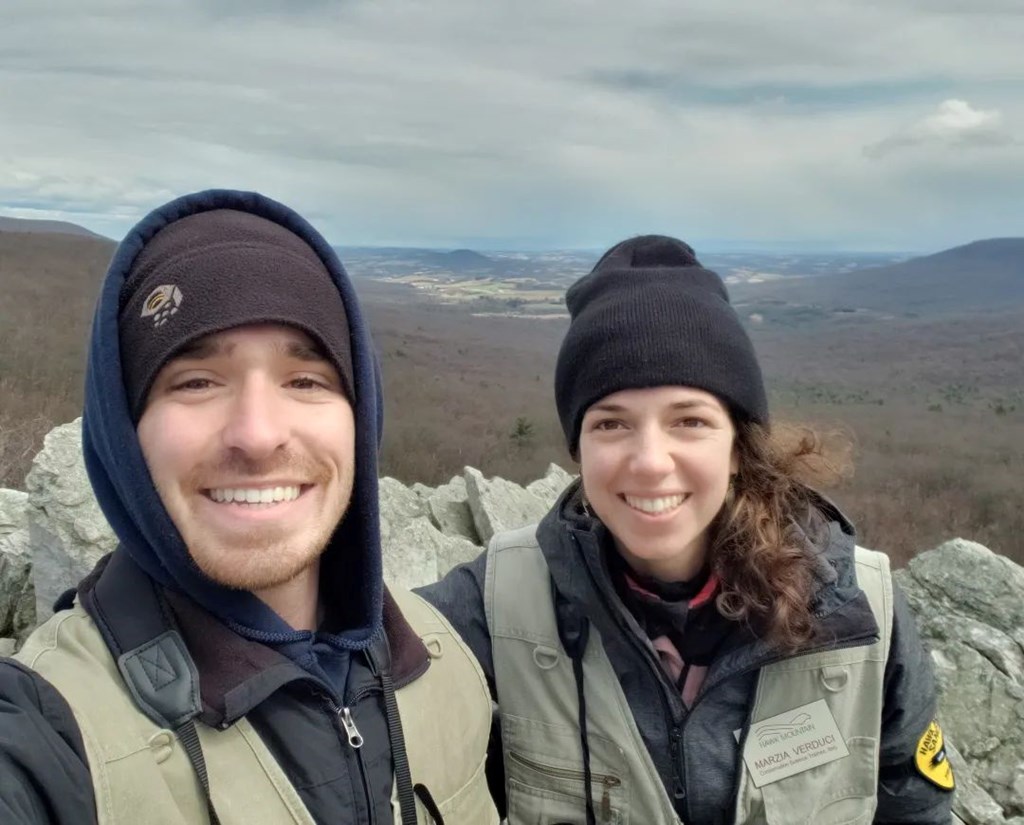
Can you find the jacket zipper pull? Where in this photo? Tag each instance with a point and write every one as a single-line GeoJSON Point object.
{"type": "Point", "coordinates": [355, 738]}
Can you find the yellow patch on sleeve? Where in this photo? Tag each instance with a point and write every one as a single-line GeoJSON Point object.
{"type": "Point", "coordinates": [930, 758]}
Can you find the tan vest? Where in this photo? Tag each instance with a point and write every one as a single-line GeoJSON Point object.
{"type": "Point", "coordinates": [539, 722]}
{"type": "Point", "coordinates": [141, 773]}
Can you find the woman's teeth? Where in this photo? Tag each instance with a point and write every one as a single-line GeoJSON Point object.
{"type": "Point", "coordinates": [655, 505]}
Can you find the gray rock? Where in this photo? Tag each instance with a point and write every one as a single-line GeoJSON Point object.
{"type": "Point", "coordinates": [67, 531]}
{"type": "Point", "coordinates": [7, 647]}
{"type": "Point", "coordinates": [417, 553]}
{"type": "Point", "coordinates": [398, 502]}
{"type": "Point", "coordinates": [969, 605]}
{"type": "Point", "coordinates": [410, 551]}
{"type": "Point", "coordinates": [971, 804]}
{"type": "Point", "coordinates": [454, 551]}
{"type": "Point", "coordinates": [948, 577]}
{"type": "Point", "coordinates": [550, 487]}
{"type": "Point", "coordinates": [422, 490]}
{"type": "Point", "coordinates": [448, 507]}
{"type": "Point", "coordinates": [499, 505]}
{"type": "Point", "coordinates": [17, 598]}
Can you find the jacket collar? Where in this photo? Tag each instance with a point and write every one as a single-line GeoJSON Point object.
{"type": "Point", "coordinates": [572, 542]}
{"type": "Point", "coordinates": [235, 673]}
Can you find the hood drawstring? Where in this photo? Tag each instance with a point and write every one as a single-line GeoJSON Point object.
{"type": "Point", "coordinates": [573, 632]}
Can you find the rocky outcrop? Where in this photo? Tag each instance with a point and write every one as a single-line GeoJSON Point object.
{"type": "Point", "coordinates": [969, 602]}
{"type": "Point", "coordinates": [67, 531]}
{"type": "Point", "coordinates": [497, 504]}
{"type": "Point", "coordinates": [17, 598]}
{"type": "Point", "coordinates": [427, 531]}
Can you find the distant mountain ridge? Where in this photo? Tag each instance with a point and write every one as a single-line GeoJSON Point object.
{"type": "Point", "coordinates": [985, 275]}
{"type": "Point", "coordinates": [456, 264]}
{"type": "Point", "coordinates": [37, 226]}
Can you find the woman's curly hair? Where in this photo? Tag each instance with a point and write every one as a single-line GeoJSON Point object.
{"type": "Point", "coordinates": [758, 541]}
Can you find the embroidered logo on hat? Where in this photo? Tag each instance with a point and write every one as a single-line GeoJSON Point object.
{"type": "Point", "coordinates": [162, 303]}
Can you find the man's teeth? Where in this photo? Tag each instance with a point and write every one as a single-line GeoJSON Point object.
{"type": "Point", "coordinates": [254, 495]}
{"type": "Point", "coordinates": [655, 505]}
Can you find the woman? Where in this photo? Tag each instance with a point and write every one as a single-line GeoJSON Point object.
{"type": "Point", "coordinates": [690, 633]}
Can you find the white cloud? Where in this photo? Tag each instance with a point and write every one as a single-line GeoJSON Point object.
{"type": "Point", "coordinates": [955, 124]}
{"type": "Point", "coordinates": [956, 119]}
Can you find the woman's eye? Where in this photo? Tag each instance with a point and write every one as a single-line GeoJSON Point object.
{"type": "Point", "coordinates": [608, 424]}
{"type": "Point", "coordinates": [693, 422]}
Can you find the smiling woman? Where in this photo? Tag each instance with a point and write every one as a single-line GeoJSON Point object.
{"type": "Point", "coordinates": [725, 593]}
{"type": "Point", "coordinates": [656, 465]}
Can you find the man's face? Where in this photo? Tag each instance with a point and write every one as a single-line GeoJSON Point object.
{"type": "Point", "coordinates": [251, 446]}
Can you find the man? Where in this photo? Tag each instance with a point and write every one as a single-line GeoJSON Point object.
{"type": "Point", "coordinates": [238, 658]}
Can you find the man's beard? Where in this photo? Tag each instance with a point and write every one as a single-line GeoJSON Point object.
{"type": "Point", "coordinates": [267, 555]}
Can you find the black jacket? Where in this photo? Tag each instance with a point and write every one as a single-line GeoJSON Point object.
{"type": "Point", "coordinates": [44, 771]}
{"type": "Point", "coordinates": [700, 770]}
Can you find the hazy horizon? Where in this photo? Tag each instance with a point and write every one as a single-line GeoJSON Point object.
{"type": "Point", "coordinates": [507, 246]}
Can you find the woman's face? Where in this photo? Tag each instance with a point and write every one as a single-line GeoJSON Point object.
{"type": "Point", "coordinates": [655, 465]}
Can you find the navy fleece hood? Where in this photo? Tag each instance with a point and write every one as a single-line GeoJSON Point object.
{"type": "Point", "coordinates": [351, 571]}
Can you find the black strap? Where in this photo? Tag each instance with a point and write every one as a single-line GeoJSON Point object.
{"type": "Point", "coordinates": [424, 796]}
{"type": "Point", "coordinates": [151, 656]}
{"type": "Point", "coordinates": [574, 632]}
{"type": "Point", "coordinates": [577, 671]}
{"type": "Point", "coordinates": [399, 758]}
{"type": "Point", "coordinates": [190, 739]}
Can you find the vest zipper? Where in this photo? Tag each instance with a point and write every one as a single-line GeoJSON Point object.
{"type": "Point", "coordinates": [347, 724]}
{"type": "Point", "coordinates": [355, 738]}
{"type": "Point", "coordinates": [678, 770]}
{"type": "Point", "coordinates": [608, 781]}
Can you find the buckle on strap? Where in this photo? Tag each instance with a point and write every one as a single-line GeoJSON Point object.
{"type": "Point", "coordinates": [162, 679]}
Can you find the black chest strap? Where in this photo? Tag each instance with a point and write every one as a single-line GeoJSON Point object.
{"type": "Point", "coordinates": [151, 655]}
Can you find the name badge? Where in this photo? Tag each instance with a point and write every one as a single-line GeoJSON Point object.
{"type": "Point", "coordinates": [792, 742]}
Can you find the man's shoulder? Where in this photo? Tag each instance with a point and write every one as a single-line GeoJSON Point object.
{"type": "Point", "coordinates": [32, 698]}
{"type": "Point", "coordinates": [67, 653]}
{"type": "Point", "coordinates": [42, 757]}
{"type": "Point", "coordinates": [67, 635]}
{"type": "Point", "coordinates": [20, 686]}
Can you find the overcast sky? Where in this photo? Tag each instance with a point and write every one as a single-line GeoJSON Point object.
{"type": "Point", "coordinates": [817, 124]}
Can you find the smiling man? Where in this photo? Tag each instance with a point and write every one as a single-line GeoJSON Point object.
{"type": "Point", "coordinates": [238, 658]}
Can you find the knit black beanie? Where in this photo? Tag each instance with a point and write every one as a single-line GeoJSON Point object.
{"type": "Point", "coordinates": [649, 315]}
{"type": "Point", "coordinates": [216, 270]}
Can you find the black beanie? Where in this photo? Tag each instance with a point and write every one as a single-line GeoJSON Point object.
{"type": "Point", "coordinates": [649, 315]}
{"type": "Point", "coordinates": [216, 270]}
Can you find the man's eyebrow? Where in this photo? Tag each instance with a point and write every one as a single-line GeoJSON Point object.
{"type": "Point", "coordinates": [202, 348]}
{"type": "Point", "coordinates": [305, 351]}
{"type": "Point", "coordinates": [210, 346]}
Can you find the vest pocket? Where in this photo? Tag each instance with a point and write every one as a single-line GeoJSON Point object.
{"type": "Point", "coordinates": [541, 794]}
{"type": "Point", "coordinates": [839, 793]}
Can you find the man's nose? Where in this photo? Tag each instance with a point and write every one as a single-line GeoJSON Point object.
{"type": "Point", "coordinates": [257, 424]}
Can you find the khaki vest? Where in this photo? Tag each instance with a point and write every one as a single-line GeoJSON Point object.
{"type": "Point", "coordinates": [141, 772]}
{"type": "Point", "coordinates": [539, 712]}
